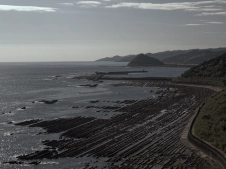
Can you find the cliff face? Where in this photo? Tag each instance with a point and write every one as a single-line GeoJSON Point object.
{"type": "Point", "coordinates": [144, 60]}
{"type": "Point", "coordinates": [212, 68]}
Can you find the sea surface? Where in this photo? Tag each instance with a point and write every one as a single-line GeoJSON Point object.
{"type": "Point", "coordinates": [23, 84]}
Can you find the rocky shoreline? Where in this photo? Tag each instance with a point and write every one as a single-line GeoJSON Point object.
{"type": "Point", "coordinates": [145, 134]}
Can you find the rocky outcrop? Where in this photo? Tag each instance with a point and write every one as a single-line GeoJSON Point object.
{"type": "Point", "coordinates": [48, 101]}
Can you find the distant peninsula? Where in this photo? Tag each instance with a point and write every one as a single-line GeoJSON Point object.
{"type": "Point", "coordinates": [145, 60]}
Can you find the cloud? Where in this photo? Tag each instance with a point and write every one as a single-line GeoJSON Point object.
{"type": "Point", "coordinates": [165, 6]}
{"type": "Point", "coordinates": [89, 3]}
{"type": "Point", "coordinates": [211, 2]}
{"type": "Point", "coordinates": [26, 8]}
{"type": "Point", "coordinates": [200, 24]}
{"type": "Point", "coordinates": [206, 9]}
{"type": "Point", "coordinates": [188, 6]}
{"type": "Point", "coordinates": [211, 13]}
{"type": "Point", "coordinates": [193, 24]}
{"type": "Point", "coordinates": [215, 32]}
{"type": "Point", "coordinates": [218, 23]}
{"type": "Point", "coordinates": [67, 4]}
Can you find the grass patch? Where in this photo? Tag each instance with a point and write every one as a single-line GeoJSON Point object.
{"type": "Point", "coordinates": [210, 124]}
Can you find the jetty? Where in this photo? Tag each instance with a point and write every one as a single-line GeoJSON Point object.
{"type": "Point", "coordinates": [96, 76]}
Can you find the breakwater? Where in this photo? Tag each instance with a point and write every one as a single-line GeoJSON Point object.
{"type": "Point", "coordinates": [138, 78]}
{"type": "Point", "coordinates": [110, 76]}
{"type": "Point", "coordinates": [121, 72]}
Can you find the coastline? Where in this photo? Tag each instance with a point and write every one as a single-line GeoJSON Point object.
{"type": "Point", "coordinates": [137, 123]}
{"type": "Point", "coordinates": [199, 146]}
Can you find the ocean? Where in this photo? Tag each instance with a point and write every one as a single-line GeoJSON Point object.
{"type": "Point", "coordinates": [24, 84]}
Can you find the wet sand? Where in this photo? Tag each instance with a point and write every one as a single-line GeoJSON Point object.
{"type": "Point", "coordinates": [146, 134]}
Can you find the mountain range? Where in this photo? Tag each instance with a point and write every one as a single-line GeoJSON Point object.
{"type": "Point", "coordinates": [191, 56]}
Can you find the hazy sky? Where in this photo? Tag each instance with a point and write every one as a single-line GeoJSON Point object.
{"type": "Point", "coordinates": [79, 30]}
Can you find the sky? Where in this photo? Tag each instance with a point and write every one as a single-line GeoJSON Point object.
{"type": "Point", "coordinates": [86, 30]}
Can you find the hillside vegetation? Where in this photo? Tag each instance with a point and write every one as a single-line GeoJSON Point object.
{"type": "Point", "coordinates": [211, 72]}
{"type": "Point", "coordinates": [144, 60]}
{"type": "Point", "coordinates": [210, 124]}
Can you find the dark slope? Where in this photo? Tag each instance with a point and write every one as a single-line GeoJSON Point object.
{"type": "Point", "coordinates": [211, 72]}
{"type": "Point", "coordinates": [193, 57]}
{"type": "Point", "coordinates": [210, 124]}
{"type": "Point", "coordinates": [144, 60]}
{"type": "Point", "coordinates": [212, 68]}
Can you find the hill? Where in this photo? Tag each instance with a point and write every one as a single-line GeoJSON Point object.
{"type": "Point", "coordinates": [212, 68]}
{"type": "Point", "coordinates": [193, 57]}
{"type": "Point", "coordinates": [211, 72]}
{"type": "Point", "coordinates": [210, 124]}
{"type": "Point", "coordinates": [144, 60]}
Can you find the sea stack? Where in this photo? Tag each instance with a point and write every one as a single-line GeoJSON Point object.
{"type": "Point", "coordinates": [144, 60]}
